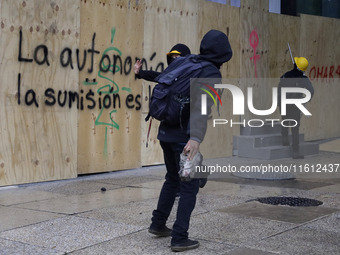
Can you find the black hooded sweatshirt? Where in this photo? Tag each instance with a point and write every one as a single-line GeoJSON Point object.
{"type": "Point", "coordinates": [294, 78]}
{"type": "Point", "coordinates": [215, 48]}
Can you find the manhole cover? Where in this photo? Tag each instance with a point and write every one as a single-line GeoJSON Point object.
{"type": "Point", "coordinates": [291, 201]}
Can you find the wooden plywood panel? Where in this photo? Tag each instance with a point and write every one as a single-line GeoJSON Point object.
{"type": "Point", "coordinates": [38, 138]}
{"type": "Point", "coordinates": [319, 46]}
{"type": "Point", "coordinates": [218, 140]}
{"type": "Point", "coordinates": [258, 5]}
{"type": "Point", "coordinates": [152, 153]}
{"type": "Point", "coordinates": [166, 23]}
{"type": "Point", "coordinates": [110, 131]}
{"type": "Point", "coordinates": [254, 41]}
{"type": "Point", "coordinates": [226, 19]}
{"type": "Point", "coordinates": [283, 29]}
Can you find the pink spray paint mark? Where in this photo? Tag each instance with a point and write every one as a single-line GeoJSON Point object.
{"type": "Point", "coordinates": [254, 41]}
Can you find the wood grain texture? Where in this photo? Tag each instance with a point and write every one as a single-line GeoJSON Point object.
{"type": "Point", "coordinates": [319, 46]}
{"type": "Point", "coordinates": [61, 121]}
{"type": "Point", "coordinates": [166, 23]}
{"type": "Point", "coordinates": [38, 142]}
{"type": "Point", "coordinates": [109, 135]}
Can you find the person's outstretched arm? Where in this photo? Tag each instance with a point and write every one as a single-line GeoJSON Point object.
{"type": "Point", "coordinates": [146, 75]}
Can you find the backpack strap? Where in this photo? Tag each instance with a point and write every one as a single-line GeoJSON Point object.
{"type": "Point", "coordinates": [180, 66]}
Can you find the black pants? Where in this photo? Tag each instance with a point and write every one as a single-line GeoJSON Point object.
{"type": "Point", "coordinates": [187, 200]}
{"type": "Point", "coordinates": [292, 113]}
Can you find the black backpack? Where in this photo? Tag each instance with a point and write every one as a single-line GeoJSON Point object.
{"type": "Point", "coordinates": [170, 100]}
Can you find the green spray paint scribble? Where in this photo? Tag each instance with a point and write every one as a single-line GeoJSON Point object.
{"type": "Point", "coordinates": [112, 87]}
{"type": "Point", "coordinates": [117, 69]}
{"type": "Point", "coordinates": [113, 32]}
{"type": "Point", "coordinates": [87, 83]}
{"type": "Point", "coordinates": [126, 89]}
{"type": "Point", "coordinates": [108, 89]}
{"type": "Point", "coordinates": [105, 143]}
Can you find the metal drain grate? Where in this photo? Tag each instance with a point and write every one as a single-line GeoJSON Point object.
{"type": "Point", "coordinates": [291, 201]}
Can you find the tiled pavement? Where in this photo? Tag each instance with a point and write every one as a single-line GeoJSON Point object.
{"type": "Point", "coordinates": [76, 217]}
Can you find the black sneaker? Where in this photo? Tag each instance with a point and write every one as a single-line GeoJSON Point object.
{"type": "Point", "coordinates": [187, 245]}
{"type": "Point", "coordinates": [161, 232]}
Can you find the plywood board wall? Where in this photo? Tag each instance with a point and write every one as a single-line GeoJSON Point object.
{"type": "Point", "coordinates": [109, 132]}
{"type": "Point", "coordinates": [283, 29]}
{"type": "Point", "coordinates": [71, 103]}
{"type": "Point", "coordinates": [254, 43]}
{"type": "Point", "coordinates": [166, 23]}
{"type": "Point", "coordinates": [318, 43]}
{"type": "Point", "coordinates": [218, 140]}
{"type": "Point", "coordinates": [38, 137]}
{"type": "Point", "coordinates": [309, 36]}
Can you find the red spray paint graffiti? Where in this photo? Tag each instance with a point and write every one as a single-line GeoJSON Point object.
{"type": "Point", "coordinates": [254, 41]}
{"type": "Point", "coordinates": [326, 73]}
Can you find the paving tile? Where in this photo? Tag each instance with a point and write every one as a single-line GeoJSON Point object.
{"type": "Point", "coordinates": [284, 184]}
{"type": "Point", "coordinates": [301, 241]}
{"type": "Point", "coordinates": [15, 217]}
{"type": "Point", "coordinates": [14, 248]}
{"type": "Point", "coordinates": [144, 243]}
{"type": "Point", "coordinates": [328, 200]}
{"type": "Point", "coordinates": [151, 185]}
{"type": "Point", "coordinates": [216, 195]}
{"type": "Point", "coordinates": [72, 187]}
{"type": "Point", "coordinates": [292, 214]}
{"type": "Point", "coordinates": [215, 187]}
{"type": "Point", "coordinates": [242, 190]}
{"type": "Point", "coordinates": [335, 188]}
{"type": "Point", "coordinates": [136, 213]}
{"type": "Point", "coordinates": [211, 202]}
{"type": "Point", "coordinates": [234, 229]}
{"type": "Point", "coordinates": [248, 251]}
{"type": "Point", "coordinates": [223, 188]}
{"type": "Point", "coordinates": [69, 233]}
{"type": "Point", "coordinates": [330, 223]}
{"type": "Point", "coordinates": [17, 195]}
{"type": "Point", "coordinates": [88, 202]}
{"type": "Point", "coordinates": [35, 220]}
{"type": "Point", "coordinates": [130, 180]}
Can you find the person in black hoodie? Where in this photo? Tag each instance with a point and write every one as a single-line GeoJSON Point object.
{"type": "Point", "coordinates": [294, 78]}
{"type": "Point", "coordinates": [176, 51]}
{"type": "Point", "coordinates": [174, 140]}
